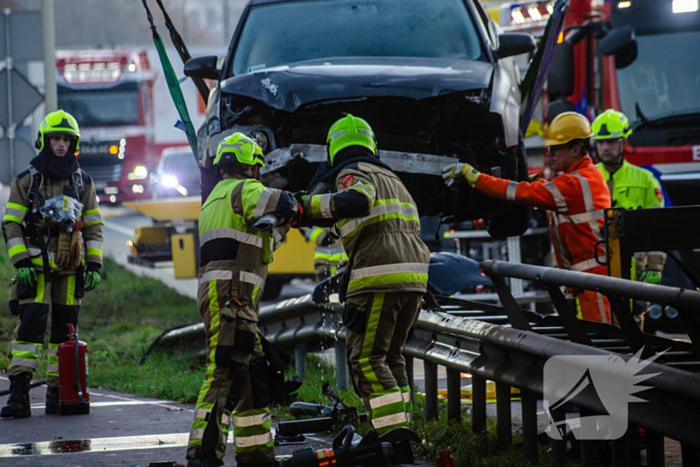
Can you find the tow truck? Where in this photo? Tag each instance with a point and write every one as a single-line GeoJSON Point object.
{"type": "Point", "coordinates": [110, 93]}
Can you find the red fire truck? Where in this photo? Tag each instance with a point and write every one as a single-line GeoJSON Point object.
{"type": "Point", "coordinates": [636, 56]}
{"type": "Point", "coordinates": [110, 93]}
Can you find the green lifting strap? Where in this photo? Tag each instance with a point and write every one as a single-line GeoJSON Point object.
{"type": "Point", "coordinates": [173, 84]}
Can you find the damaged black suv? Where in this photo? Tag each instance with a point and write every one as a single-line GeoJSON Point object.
{"type": "Point", "coordinates": [433, 79]}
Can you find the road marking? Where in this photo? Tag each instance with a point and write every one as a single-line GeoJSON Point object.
{"type": "Point", "coordinates": [119, 443]}
{"type": "Point", "coordinates": [119, 228]}
{"type": "Point", "coordinates": [119, 403]}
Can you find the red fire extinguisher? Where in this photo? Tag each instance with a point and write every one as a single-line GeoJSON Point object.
{"type": "Point", "coordinates": [72, 376]}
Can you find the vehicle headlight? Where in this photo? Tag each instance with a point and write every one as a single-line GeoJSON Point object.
{"type": "Point", "coordinates": [169, 181]}
{"type": "Point", "coordinates": [140, 172]}
{"type": "Point", "coordinates": [261, 138]}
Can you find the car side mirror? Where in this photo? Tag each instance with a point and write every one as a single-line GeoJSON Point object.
{"type": "Point", "coordinates": [514, 43]}
{"type": "Point", "coordinates": [560, 82]}
{"type": "Point", "coordinates": [622, 43]}
{"type": "Point", "coordinates": [202, 67]}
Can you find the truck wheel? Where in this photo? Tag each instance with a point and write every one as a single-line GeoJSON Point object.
{"type": "Point", "coordinates": [516, 220]}
{"type": "Point", "coordinates": [509, 224]}
{"type": "Point", "coordinates": [273, 288]}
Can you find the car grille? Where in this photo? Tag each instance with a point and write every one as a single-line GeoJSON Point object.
{"type": "Point", "coordinates": [97, 161]}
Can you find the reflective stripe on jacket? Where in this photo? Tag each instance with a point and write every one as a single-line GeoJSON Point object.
{"type": "Point", "coordinates": [18, 210]}
{"type": "Point", "coordinates": [577, 200]}
{"type": "Point", "coordinates": [329, 249]}
{"type": "Point", "coordinates": [230, 248]}
{"type": "Point", "coordinates": [379, 225]}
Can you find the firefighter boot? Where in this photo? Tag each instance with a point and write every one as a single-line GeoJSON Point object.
{"type": "Point", "coordinates": [52, 401]}
{"type": "Point", "coordinates": [18, 402]}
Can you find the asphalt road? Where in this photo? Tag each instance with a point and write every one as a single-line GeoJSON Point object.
{"type": "Point", "coordinates": [121, 430]}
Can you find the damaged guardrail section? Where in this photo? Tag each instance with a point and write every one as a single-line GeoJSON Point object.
{"type": "Point", "coordinates": [516, 358]}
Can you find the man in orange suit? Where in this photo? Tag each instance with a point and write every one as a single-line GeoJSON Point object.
{"type": "Point", "coordinates": [576, 199]}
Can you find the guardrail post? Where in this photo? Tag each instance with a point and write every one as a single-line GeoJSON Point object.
{"type": "Point", "coordinates": [431, 390]}
{"type": "Point", "coordinates": [690, 455]}
{"type": "Point", "coordinates": [300, 360]}
{"type": "Point", "coordinates": [656, 455]}
{"type": "Point", "coordinates": [454, 395]}
{"type": "Point", "coordinates": [478, 404]}
{"type": "Point", "coordinates": [528, 406]}
{"type": "Point", "coordinates": [411, 379]}
{"type": "Point", "coordinates": [621, 451]}
{"type": "Point", "coordinates": [341, 366]}
{"type": "Point", "coordinates": [504, 431]}
{"type": "Point", "coordinates": [515, 315]}
{"type": "Point", "coordinates": [620, 308]}
{"type": "Point", "coordinates": [558, 445]}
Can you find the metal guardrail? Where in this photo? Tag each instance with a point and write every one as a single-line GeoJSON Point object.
{"type": "Point", "coordinates": [510, 346]}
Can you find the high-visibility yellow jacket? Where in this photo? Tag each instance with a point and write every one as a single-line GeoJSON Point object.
{"type": "Point", "coordinates": [379, 224]}
{"type": "Point", "coordinates": [633, 187]}
{"type": "Point", "coordinates": [18, 232]}
{"type": "Point", "coordinates": [231, 249]}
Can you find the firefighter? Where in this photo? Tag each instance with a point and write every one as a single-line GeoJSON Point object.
{"type": "Point", "coordinates": [330, 254]}
{"type": "Point", "coordinates": [52, 271]}
{"type": "Point", "coordinates": [631, 187]}
{"type": "Point", "coordinates": [387, 271]}
{"type": "Point", "coordinates": [234, 260]}
{"type": "Point", "coordinates": [576, 199]}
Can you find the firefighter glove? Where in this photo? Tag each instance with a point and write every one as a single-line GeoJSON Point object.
{"type": "Point", "coordinates": [651, 277]}
{"type": "Point", "coordinates": [63, 252]}
{"type": "Point", "coordinates": [460, 169]}
{"type": "Point", "coordinates": [301, 196]}
{"type": "Point", "coordinates": [295, 219]}
{"type": "Point", "coordinates": [76, 249]}
{"type": "Point", "coordinates": [92, 278]}
{"type": "Point", "coordinates": [26, 274]}
{"type": "Point", "coordinates": [536, 177]}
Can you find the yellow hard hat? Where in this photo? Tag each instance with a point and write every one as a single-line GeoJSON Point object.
{"type": "Point", "coordinates": [568, 126]}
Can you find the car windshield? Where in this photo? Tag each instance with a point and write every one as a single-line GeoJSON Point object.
{"type": "Point", "coordinates": [283, 33]}
{"type": "Point", "coordinates": [96, 108]}
{"type": "Point", "coordinates": [180, 163]}
{"type": "Point", "coordinates": [664, 80]}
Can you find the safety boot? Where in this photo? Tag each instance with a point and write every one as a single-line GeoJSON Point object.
{"type": "Point", "coordinates": [52, 401]}
{"type": "Point", "coordinates": [18, 402]}
{"type": "Point", "coordinates": [403, 453]}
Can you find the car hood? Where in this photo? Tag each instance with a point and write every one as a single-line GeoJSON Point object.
{"type": "Point", "coordinates": [290, 87]}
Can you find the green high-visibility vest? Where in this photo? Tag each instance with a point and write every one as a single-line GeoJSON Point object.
{"type": "Point", "coordinates": [224, 231]}
{"type": "Point", "coordinates": [633, 187]}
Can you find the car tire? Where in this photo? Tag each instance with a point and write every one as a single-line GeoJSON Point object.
{"type": "Point", "coordinates": [516, 220]}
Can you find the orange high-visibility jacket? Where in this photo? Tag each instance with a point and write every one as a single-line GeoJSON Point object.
{"type": "Point", "coordinates": [577, 200]}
